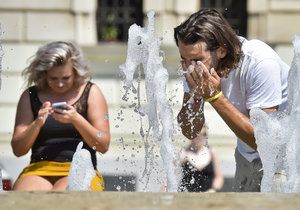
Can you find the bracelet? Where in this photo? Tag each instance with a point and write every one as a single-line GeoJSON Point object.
{"type": "Point", "coordinates": [218, 95]}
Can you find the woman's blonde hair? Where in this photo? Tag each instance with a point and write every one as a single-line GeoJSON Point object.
{"type": "Point", "coordinates": [55, 54]}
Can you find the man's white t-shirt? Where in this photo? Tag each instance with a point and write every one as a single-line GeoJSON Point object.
{"type": "Point", "coordinates": [260, 81]}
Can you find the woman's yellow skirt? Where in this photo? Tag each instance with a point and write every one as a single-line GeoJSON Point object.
{"type": "Point", "coordinates": [51, 168]}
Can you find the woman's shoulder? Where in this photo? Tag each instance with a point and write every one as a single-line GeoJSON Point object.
{"type": "Point", "coordinates": [94, 88]}
{"type": "Point", "coordinates": [92, 93]}
{"type": "Point", "coordinates": [28, 91]}
{"type": "Point", "coordinates": [88, 85]}
{"type": "Point", "coordinates": [25, 97]}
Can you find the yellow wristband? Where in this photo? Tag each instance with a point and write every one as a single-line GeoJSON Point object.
{"type": "Point", "coordinates": [218, 95]}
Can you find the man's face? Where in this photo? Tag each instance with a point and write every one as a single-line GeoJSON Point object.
{"type": "Point", "coordinates": [191, 53]}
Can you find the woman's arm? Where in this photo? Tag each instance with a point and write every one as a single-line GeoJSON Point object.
{"type": "Point", "coordinates": [26, 129]}
{"type": "Point", "coordinates": [218, 179]}
{"type": "Point", "coordinates": [191, 116]}
{"type": "Point", "coordinates": [97, 131]}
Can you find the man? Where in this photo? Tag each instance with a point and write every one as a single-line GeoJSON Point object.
{"type": "Point", "coordinates": [234, 75]}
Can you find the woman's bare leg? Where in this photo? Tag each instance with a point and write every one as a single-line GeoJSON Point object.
{"type": "Point", "coordinates": [32, 183]}
{"type": "Point", "coordinates": [61, 184]}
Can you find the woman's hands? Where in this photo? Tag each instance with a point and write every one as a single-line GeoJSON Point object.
{"type": "Point", "coordinates": [43, 113]}
{"type": "Point", "coordinates": [201, 81]}
{"type": "Point", "coordinates": [62, 115]}
{"type": "Point", "coordinates": [67, 115]}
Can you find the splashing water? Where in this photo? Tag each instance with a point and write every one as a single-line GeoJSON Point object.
{"type": "Point", "coordinates": [1, 55]}
{"type": "Point", "coordinates": [277, 137]}
{"type": "Point", "coordinates": [144, 48]}
{"type": "Point", "coordinates": [81, 170]}
{"type": "Point", "coordinates": [1, 185]}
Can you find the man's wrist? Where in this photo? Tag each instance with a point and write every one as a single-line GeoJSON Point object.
{"type": "Point", "coordinates": [214, 97]}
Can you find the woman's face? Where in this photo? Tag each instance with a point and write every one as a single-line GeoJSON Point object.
{"type": "Point", "coordinates": [201, 139]}
{"type": "Point", "coordinates": [60, 79]}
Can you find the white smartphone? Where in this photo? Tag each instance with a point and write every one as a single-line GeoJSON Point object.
{"type": "Point", "coordinates": [60, 105]}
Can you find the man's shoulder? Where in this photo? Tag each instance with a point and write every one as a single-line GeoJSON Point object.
{"type": "Point", "coordinates": [257, 50]}
{"type": "Point", "coordinates": [256, 46]}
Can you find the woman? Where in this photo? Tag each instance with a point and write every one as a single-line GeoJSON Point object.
{"type": "Point", "coordinates": [200, 166]}
{"type": "Point", "coordinates": [58, 73]}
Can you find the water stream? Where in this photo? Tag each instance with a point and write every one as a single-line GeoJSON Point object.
{"type": "Point", "coordinates": [144, 51]}
{"type": "Point", "coordinates": [277, 137]}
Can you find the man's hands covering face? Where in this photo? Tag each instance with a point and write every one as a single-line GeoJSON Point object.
{"type": "Point", "coordinates": [201, 81]}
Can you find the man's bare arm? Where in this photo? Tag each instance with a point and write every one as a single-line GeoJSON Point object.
{"type": "Point", "coordinates": [191, 116]}
{"type": "Point", "coordinates": [238, 122]}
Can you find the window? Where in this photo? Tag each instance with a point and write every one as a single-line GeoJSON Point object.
{"type": "Point", "coordinates": [235, 11]}
{"type": "Point", "coordinates": [114, 18]}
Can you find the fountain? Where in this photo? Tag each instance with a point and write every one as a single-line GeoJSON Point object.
{"type": "Point", "coordinates": [81, 170]}
{"type": "Point", "coordinates": [1, 185]}
{"type": "Point", "coordinates": [283, 144]}
{"type": "Point", "coordinates": [143, 49]}
{"type": "Point", "coordinates": [277, 137]}
{"type": "Point", "coordinates": [1, 56]}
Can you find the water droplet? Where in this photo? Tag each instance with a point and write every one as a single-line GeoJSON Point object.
{"type": "Point", "coordinates": [106, 117]}
{"type": "Point", "coordinates": [99, 134]}
{"type": "Point", "coordinates": [132, 105]}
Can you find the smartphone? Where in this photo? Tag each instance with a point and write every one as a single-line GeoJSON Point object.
{"type": "Point", "coordinates": [60, 105]}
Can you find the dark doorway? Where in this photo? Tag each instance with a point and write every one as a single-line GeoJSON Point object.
{"type": "Point", "coordinates": [114, 17]}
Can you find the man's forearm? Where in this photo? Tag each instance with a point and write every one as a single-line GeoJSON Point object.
{"type": "Point", "coordinates": [238, 122]}
{"type": "Point", "coordinates": [191, 118]}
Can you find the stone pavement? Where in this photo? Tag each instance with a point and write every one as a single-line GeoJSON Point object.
{"type": "Point", "coordinates": [147, 201]}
